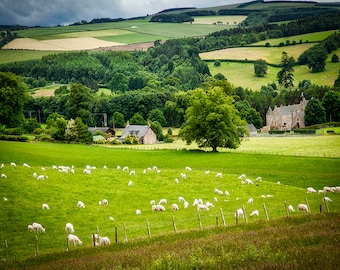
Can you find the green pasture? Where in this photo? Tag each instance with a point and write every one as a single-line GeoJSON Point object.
{"type": "Point", "coordinates": [61, 191]}
{"type": "Point", "coordinates": [311, 37]}
{"type": "Point", "coordinates": [9, 56]}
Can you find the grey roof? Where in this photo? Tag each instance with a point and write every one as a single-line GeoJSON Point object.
{"type": "Point", "coordinates": [138, 130]}
{"type": "Point", "coordinates": [251, 127]}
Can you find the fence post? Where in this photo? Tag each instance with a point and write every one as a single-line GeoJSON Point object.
{"type": "Point", "coordinates": [309, 211]}
{"type": "Point", "coordinates": [6, 249]}
{"type": "Point", "coordinates": [236, 217]}
{"type": "Point", "coordinates": [148, 227]}
{"type": "Point", "coordinates": [287, 212]}
{"type": "Point", "coordinates": [36, 246]}
{"type": "Point", "coordinates": [94, 239]}
{"type": "Point", "coordinates": [320, 208]}
{"type": "Point", "coordinates": [116, 235]}
{"type": "Point", "coordinates": [173, 223]}
{"type": "Point", "coordinates": [125, 235]}
{"type": "Point", "coordinates": [216, 221]}
{"type": "Point", "coordinates": [223, 219]}
{"type": "Point", "coordinates": [199, 219]}
{"type": "Point", "coordinates": [245, 215]}
{"type": "Point", "coordinates": [265, 211]}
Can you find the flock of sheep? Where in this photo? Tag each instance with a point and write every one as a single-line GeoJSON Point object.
{"type": "Point", "coordinates": [160, 206]}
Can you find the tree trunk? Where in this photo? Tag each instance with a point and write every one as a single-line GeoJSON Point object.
{"type": "Point", "coordinates": [214, 148]}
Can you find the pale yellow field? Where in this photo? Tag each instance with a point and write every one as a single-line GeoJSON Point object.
{"type": "Point", "coordinates": [270, 54]}
{"type": "Point", "coordinates": [69, 44]}
{"type": "Point", "coordinates": [226, 20]}
{"type": "Point", "coordinates": [99, 33]}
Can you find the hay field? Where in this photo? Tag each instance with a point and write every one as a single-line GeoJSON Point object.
{"type": "Point", "coordinates": [69, 44]}
{"type": "Point", "coordinates": [270, 54]}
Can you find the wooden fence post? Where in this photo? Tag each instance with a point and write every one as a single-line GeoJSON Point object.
{"type": "Point", "coordinates": [265, 211]}
{"type": "Point", "coordinates": [216, 221]}
{"type": "Point", "coordinates": [125, 235]}
{"type": "Point", "coordinates": [223, 219]}
{"type": "Point", "coordinates": [245, 215]}
{"type": "Point", "coordinates": [309, 211]}
{"type": "Point", "coordinates": [6, 249]}
{"type": "Point", "coordinates": [116, 234]}
{"type": "Point", "coordinates": [320, 208]}
{"type": "Point", "coordinates": [199, 219]}
{"type": "Point", "coordinates": [36, 246]}
{"type": "Point", "coordinates": [236, 217]}
{"type": "Point", "coordinates": [148, 227]}
{"type": "Point", "coordinates": [287, 212]}
{"type": "Point", "coordinates": [94, 239]}
{"type": "Point", "coordinates": [173, 223]}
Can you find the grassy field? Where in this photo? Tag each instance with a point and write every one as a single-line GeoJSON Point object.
{"type": "Point", "coordinates": [26, 194]}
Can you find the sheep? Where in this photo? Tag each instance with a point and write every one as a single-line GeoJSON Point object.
{"type": "Point", "coordinates": [71, 238]}
{"type": "Point", "coordinates": [183, 176]}
{"type": "Point", "coordinates": [174, 207]}
{"type": "Point", "coordinates": [209, 204]}
{"type": "Point", "coordinates": [132, 173]}
{"type": "Point", "coordinates": [125, 169]}
{"type": "Point", "coordinates": [215, 199]}
{"type": "Point", "coordinates": [207, 172]}
{"type": "Point", "coordinates": [311, 190]}
{"type": "Point", "coordinates": [249, 182]}
{"type": "Point", "coordinates": [5, 199]}
{"type": "Point", "coordinates": [41, 177]}
{"type": "Point", "coordinates": [239, 213]}
{"type": "Point", "coordinates": [138, 212]}
{"type": "Point", "coordinates": [251, 200]}
{"type": "Point", "coordinates": [3, 175]}
{"type": "Point", "coordinates": [69, 228]}
{"type": "Point", "coordinates": [45, 206]}
{"type": "Point", "coordinates": [152, 202]}
{"type": "Point", "coordinates": [35, 175]}
{"type": "Point", "coordinates": [43, 169]}
{"type": "Point", "coordinates": [219, 175]}
{"type": "Point", "coordinates": [30, 228]}
{"type": "Point", "coordinates": [105, 167]}
{"type": "Point", "coordinates": [88, 167]}
{"type": "Point", "coordinates": [104, 202]}
{"type": "Point", "coordinates": [54, 167]}
{"type": "Point", "coordinates": [202, 207]}
{"type": "Point", "coordinates": [291, 208]}
{"type": "Point", "coordinates": [13, 164]}
{"type": "Point", "coordinates": [303, 207]}
{"type": "Point", "coordinates": [38, 227]}
{"type": "Point", "coordinates": [328, 189]}
{"type": "Point", "coordinates": [158, 207]}
{"type": "Point", "coordinates": [80, 204]}
{"type": "Point", "coordinates": [2, 165]}
{"type": "Point", "coordinates": [227, 193]}
{"type": "Point", "coordinates": [111, 218]}
{"type": "Point", "coordinates": [188, 168]}
{"type": "Point", "coordinates": [176, 180]}
{"type": "Point", "coordinates": [104, 241]}
{"type": "Point", "coordinates": [185, 205]}
{"type": "Point", "coordinates": [321, 191]}
{"type": "Point", "coordinates": [278, 183]}
{"type": "Point", "coordinates": [26, 165]}
{"type": "Point", "coordinates": [154, 168]}
{"type": "Point", "coordinates": [255, 213]}
{"type": "Point", "coordinates": [181, 199]}
{"type": "Point", "coordinates": [130, 184]}
{"type": "Point", "coordinates": [195, 202]}
{"type": "Point", "coordinates": [163, 201]}
{"type": "Point", "coordinates": [259, 179]}
{"type": "Point", "coordinates": [87, 171]}
{"type": "Point", "coordinates": [242, 177]}
{"type": "Point", "coordinates": [219, 192]}
{"type": "Point", "coordinates": [326, 199]}
{"type": "Point", "coordinates": [337, 189]}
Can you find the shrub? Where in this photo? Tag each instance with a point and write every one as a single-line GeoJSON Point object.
{"type": "Point", "coordinates": [304, 131]}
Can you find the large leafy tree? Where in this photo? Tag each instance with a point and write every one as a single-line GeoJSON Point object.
{"type": "Point", "coordinates": [56, 123]}
{"type": "Point", "coordinates": [13, 94]}
{"type": "Point", "coordinates": [285, 76]}
{"type": "Point", "coordinates": [260, 68]}
{"type": "Point", "coordinates": [212, 120]}
{"type": "Point", "coordinates": [331, 103]}
{"type": "Point", "coordinates": [314, 112]}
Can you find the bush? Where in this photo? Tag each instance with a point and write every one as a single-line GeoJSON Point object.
{"type": "Point", "coordinates": [304, 131]}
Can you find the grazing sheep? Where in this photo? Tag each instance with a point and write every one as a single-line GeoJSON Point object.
{"type": "Point", "coordinates": [278, 183]}
{"type": "Point", "coordinates": [255, 213]}
{"type": "Point", "coordinates": [326, 199]}
{"type": "Point", "coordinates": [195, 202]}
{"type": "Point", "coordinates": [71, 238]}
{"type": "Point", "coordinates": [219, 192]}
{"type": "Point", "coordinates": [2, 165]}
{"type": "Point", "coordinates": [209, 204]}
{"type": "Point", "coordinates": [41, 177]}
{"type": "Point", "coordinates": [69, 228]}
{"type": "Point", "coordinates": [311, 190]}
{"type": "Point", "coordinates": [174, 207]}
{"type": "Point", "coordinates": [3, 175]}
{"type": "Point", "coordinates": [125, 169]}
{"type": "Point", "coordinates": [176, 180]}
{"type": "Point", "coordinates": [13, 164]}
{"type": "Point", "coordinates": [154, 168]}
{"type": "Point", "coordinates": [38, 227]}
{"type": "Point", "coordinates": [105, 167]}
{"type": "Point", "coordinates": [45, 206]}
{"type": "Point", "coordinates": [239, 213]}
{"type": "Point", "coordinates": [26, 165]}
{"type": "Point", "coordinates": [249, 182]}
{"type": "Point", "coordinates": [111, 218]}
{"type": "Point", "coordinates": [152, 202]}
{"type": "Point", "coordinates": [227, 193]}
{"type": "Point", "coordinates": [43, 169]}
{"type": "Point", "coordinates": [291, 208]}
{"type": "Point", "coordinates": [202, 207]}
{"type": "Point", "coordinates": [215, 199]}
{"type": "Point", "coordinates": [138, 212]}
{"type": "Point", "coordinates": [104, 241]}
{"type": "Point", "coordinates": [54, 167]}
{"type": "Point", "coordinates": [132, 173]}
{"type": "Point", "coordinates": [163, 201]}
{"type": "Point", "coordinates": [80, 204]}
{"type": "Point", "coordinates": [118, 167]}
{"type": "Point", "coordinates": [321, 191]}
{"type": "Point", "coordinates": [158, 207]}
{"type": "Point", "coordinates": [181, 199]}
{"type": "Point", "coordinates": [35, 175]}
{"type": "Point", "coordinates": [188, 168]}
{"type": "Point", "coordinates": [184, 176]}
{"type": "Point", "coordinates": [104, 202]}
{"type": "Point", "coordinates": [251, 200]}
{"type": "Point", "coordinates": [186, 205]}
{"type": "Point", "coordinates": [5, 199]}
{"type": "Point", "coordinates": [242, 177]}
{"type": "Point", "coordinates": [87, 171]}
{"type": "Point", "coordinates": [130, 184]}
{"type": "Point", "coordinates": [30, 228]}
{"type": "Point", "coordinates": [303, 207]}
{"type": "Point", "coordinates": [259, 179]}
{"type": "Point", "coordinates": [219, 175]}
{"type": "Point", "coordinates": [328, 189]}
{"type": "Point", "coordinates": [207, 172]}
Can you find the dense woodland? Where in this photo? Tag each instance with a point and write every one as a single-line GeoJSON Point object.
{"type": "Point", "coordinates": [162, 77]}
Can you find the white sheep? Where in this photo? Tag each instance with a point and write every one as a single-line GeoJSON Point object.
{"type": "Point", "coordinates": [45, 206]}
{"type": "Point", "coordinates": [227, 193]}
{"type": "Point", "coordinates": [239, 213]}
{"type": "Point", "coordinates": [188, 168]}
{"type": "Point", "coordinates": [249, 182]}
{"type": "Point", "coordinates": [259, 179]}
{"type": "Point", "coordinates": [174, 207]}
{"type": "Point", "coordinates": [132, 173]}
{"type": "Point", "coordinates": [202, 207]}
{"type": "Point", "coordinates": [215, 199]}
{"type": "Point", "coordinates": [35, 175]}
{"type": "Point", "coordinates": [26, 165]}
{"type": "Point", "coordinates": [5, 199]}
{"type": "Point", "coordinates": [3, 175]}
{"type": "Point", "coordinates": [38, 227]}
{"type": "Point", "coordinates": [303, 207]}
{"type": "Point", "coordinates": [43, 169]}
{"type": "Point", "coordinates": [69, 228]}
{"type": "Point", "coordinates": [138, 212]}
{"type": "Point", "coordinates": [207, 172]}
{"type": "Point", "coordinates": [104, 202]}
{"type": "Point", "coordinates": [209, 204]}
{"type": "Point", "coordinates": [181, 199]}
{"type": "Point", "coordinates": [54, 167]}
{"type": "Point", "coordinates": [163, 201]}
{"type": "Point", "coordinates": [321, 191]}
{"type": "Point", "coordinates": [242, 177]}
{"type": "Point", "coordinates": [80, 204]}
{"type": "Point", "coordinates": [328, 189]}
{"type": "Point", "coordinates": [13, 164]}
{"type": "Point", "coordinates": [104, 241]}
{"type": "Point", "coordinates": [185, 205]}
{"type": "Point", "coordinates": [326, 199]}
{"type": "Point", "coordinates": [255, 213]}
{"type": "Point", "coordinates": [251, 200]}
{"type": "Point", "coordinates": [219, 175]}
{"type": "Point", "coordinates": [30, 228]}
{"type": "Point", "coordinates": [176, 180]}
{"type": "Point", "coordinates": [87, 171]}
{"type": "Point", "coordinates": [291, 208]}
{"type": "Point", "coordinates": [278, 183]}
{"type": "Point", "coordinates": [105, 167]}
{"type": "Point", "coordinates": [130, 184]}
{"type": "Point", "coordinates": [158, 207]}
{"type": "Point", "coordinates": [125, 169]}
{"type": "Point", "coordinates": [311, 190]}
{"type": "Point", "coordinates": [152, 202]}
{"type": "Point", "coordinates": [183, 176]}
{"type": "Point", "coordinates": [195, 202]}
{"type": "Point", "coordinates": [71, 238]}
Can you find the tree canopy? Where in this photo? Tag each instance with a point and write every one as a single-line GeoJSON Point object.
{"type": "Point", "coordinates": [212, 120]}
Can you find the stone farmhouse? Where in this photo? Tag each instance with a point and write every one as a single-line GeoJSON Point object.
{"type": "Point", "coordinates": [144, 133]}
{"type": "Point", "coordinates": [286, 117]}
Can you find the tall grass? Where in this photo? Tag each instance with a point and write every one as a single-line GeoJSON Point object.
{"type": "Point", "coordinates": [62, 191]}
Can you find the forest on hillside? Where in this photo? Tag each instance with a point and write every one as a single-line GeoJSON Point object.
{"type": "Point", "coordinates": [162, 77]}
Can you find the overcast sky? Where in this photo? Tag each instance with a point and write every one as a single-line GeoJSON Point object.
{"type": "Point", "coordinates": [64, 12]}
